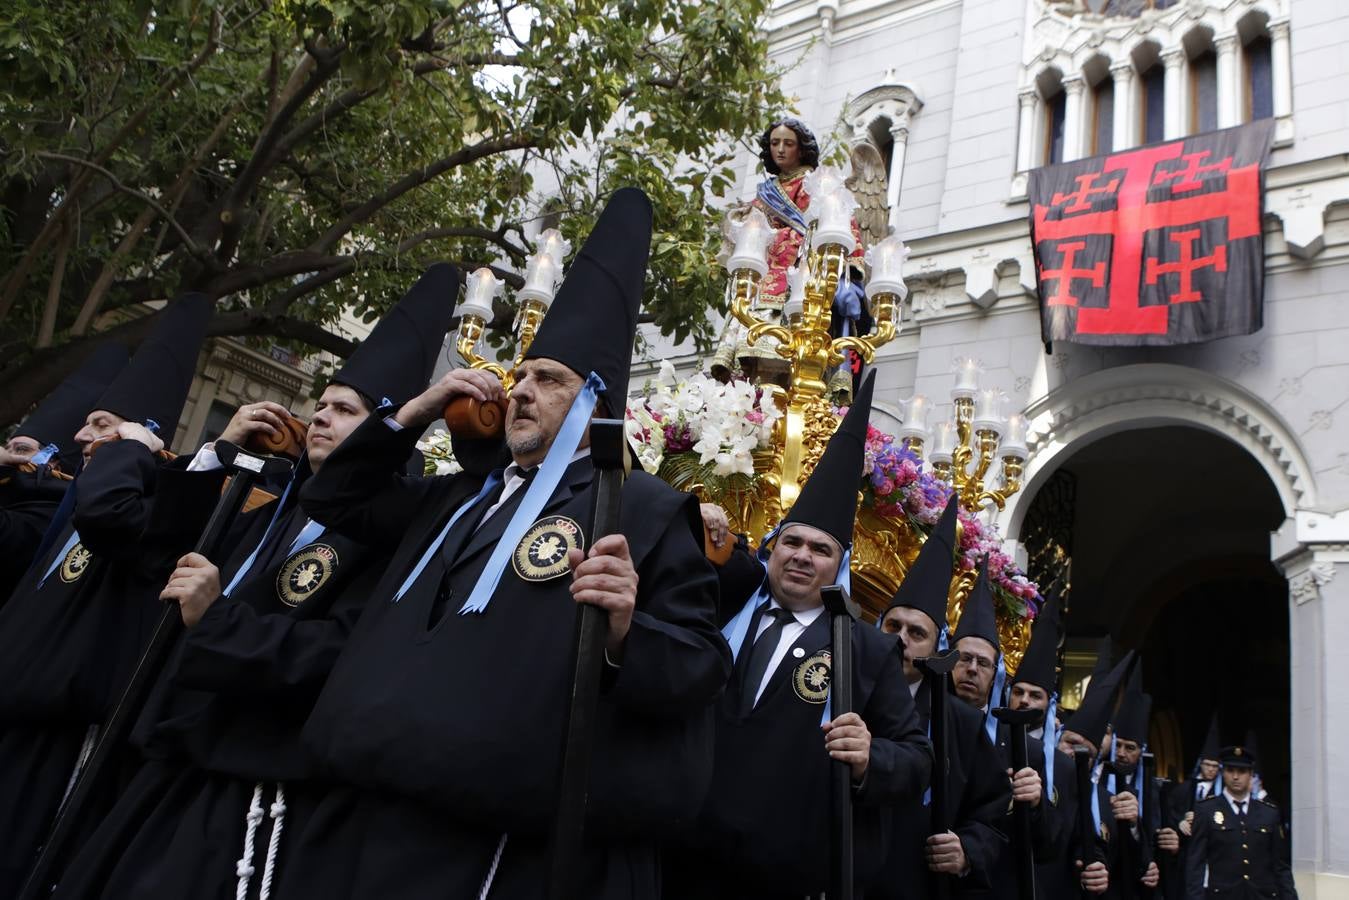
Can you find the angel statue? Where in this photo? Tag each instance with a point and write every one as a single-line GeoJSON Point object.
{"type": "Point", "coordinates": [790, 152]}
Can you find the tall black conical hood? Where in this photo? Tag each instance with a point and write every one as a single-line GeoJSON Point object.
{"type": "Point", "coordinates": [1131, 719]}
{"type": "Point", "coordinates": [396, 361]}
{"type": "Point", "coordinates": [927, 584]}
{"type": "Point", "coordinates": [63, 413]}
{"type": "Point", "coordinates": [828, 499]}
{"type": "Point", "coordinates": [1212, 742]}
{"type": "Point", "coordinates": [1097, 707]}
{"type": "Point", "coordinates": [153, 386]}
{"type": "Point", "coordinates": [593, 320]}
{"type": "Point", "coordinates": [1039, 664]}
{"type": "Point", "coordinates": [978, 618]}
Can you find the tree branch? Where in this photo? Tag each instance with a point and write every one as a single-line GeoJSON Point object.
{"type": "Point", "coordinates": [415, 179]}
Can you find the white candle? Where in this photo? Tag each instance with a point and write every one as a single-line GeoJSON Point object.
{"type": "Point", "coordinates": [483, 286]}
{"type": "Point", "coordinates": [944, 444]}
{"type": "Point", "coordinates": [886, 259]}
{"type": "Point", "coordinates": [752, 237]}
{"type": "Point", "coordinates": [967, 379]}
{"type": "Point", "coordinates": [831, 206]}
{"type": "Point", "coordinates": [552, 243]}
{"type": "Point", "coordinates": [988, 411]}
{"type": "Point", "coordinates": [1014, 443]}
{"type": "Point", "coordinates": [540, 279]}
{"type": "Point", "coordinates": [915, 418]}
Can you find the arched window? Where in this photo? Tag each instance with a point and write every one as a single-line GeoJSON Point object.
{"type": "Point", "coordinates": [1055, 109]}
{"type": "Point", "coordinates": [1103, 117]}
{"type": "Point", "coordinates": [1152, 103]}
{"type": "Point", "coordinates": [1259, 79]}
{"type": "Point", "coordinates": [879, 130]}
{"type": "Point", "coordinates": [1204, 92]}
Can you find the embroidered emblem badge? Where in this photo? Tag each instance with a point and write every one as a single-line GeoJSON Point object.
{"type": "Point", "coordinates": [541, 554]}
{"type": "Point", "coordinates": [811, 678]}
{"type": "Point", "coordinates": [307, 570]}
{"type": "Point", "coordinates": [1217, 817]}
{"type": "Point", "coordinates": [76, 561]}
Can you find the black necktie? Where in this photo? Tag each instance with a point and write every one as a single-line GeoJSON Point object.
{"type": "Point", "coordinates": [1241, 808]}
{"type": "Point", "coordinates": [761, 653]}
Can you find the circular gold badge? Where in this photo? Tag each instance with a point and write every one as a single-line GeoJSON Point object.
{"type": "Point", "coordinates": [76, 561]}
{"type": "Point", "coordinates": [541, 554]}
{"type": "Point", "coordinates": [811, 678]}
{"type": "Point", "coordinates": [307, 570]}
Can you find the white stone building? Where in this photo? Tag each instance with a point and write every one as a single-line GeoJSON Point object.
{"type": "Point", "coordinates": [1203, 491]}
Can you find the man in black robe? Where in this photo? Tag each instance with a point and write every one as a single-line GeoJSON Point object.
{"type": "Point", "coordinates": [39, 460]}
{"type": "Point", "coordinates": [1126, 805]}
{"type": "Point", "coordinates": [1173, 840]}
{"type": "Point", "coordinates": [978, 791]}
{"type": "Point", "coordinates": [448, 705]}
{"type": "Point", "coordinates": [82, 615]}
{"type": "Point", "coordinates": [764, 832]}
{"type": "Point", "coordinates": [1049, 788]}
{"type": "Point", "coordinates": [222, 731]}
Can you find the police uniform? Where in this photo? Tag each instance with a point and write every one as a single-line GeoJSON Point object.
{"type": "Point", "coordinates": [765, 830]}
{"type": "Point", "coordinates": [221, 732]}
{"type": "Point", "coordinates": [453, 723]}
{"type": "Point", "coordinates": [1236, 847]}
{"type": "Point", "coordinates": [78, 622]}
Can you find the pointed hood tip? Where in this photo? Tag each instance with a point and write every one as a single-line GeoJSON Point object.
{"type": "Point", "coordinates": [979, 618]}
{"type": "Point", "coordinates": [927, 585]}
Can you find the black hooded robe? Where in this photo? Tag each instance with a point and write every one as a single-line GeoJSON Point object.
{"type": "Point", "coordinates": [453, 723]}
{"type": "Point", "coordinates": [68, 644]}
{"type": "Point", "coordinates": [28, 500]}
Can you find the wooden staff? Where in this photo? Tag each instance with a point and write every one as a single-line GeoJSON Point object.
{"type": "Point", "coordinates": [841, 615]}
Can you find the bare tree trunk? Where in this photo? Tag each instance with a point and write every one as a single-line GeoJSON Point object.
{"type": "Point", "coordinates": [47, 330]}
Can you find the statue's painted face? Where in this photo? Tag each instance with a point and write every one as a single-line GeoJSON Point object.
{"type": "Point", "coordinates": [782, 143]}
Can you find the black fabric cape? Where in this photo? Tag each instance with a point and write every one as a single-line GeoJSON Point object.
{"type": "Point", "coordinates": [28, 500]}
{"type": "Point", "coordinates": [67, 645]}
{"type": "Point", "coordinates": [1126, 856]}
{"type": "Point", "coordinates": [979, 795]}
{"type": "Point", "coordinates": [228, 716]}
{"type": "Point", "coordinates": [765, 829]}
{"type": "Point", "coordinates": [463, 716]}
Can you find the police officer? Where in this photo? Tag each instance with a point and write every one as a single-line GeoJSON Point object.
{"type": "Point", "coordinates": [1236, 846]}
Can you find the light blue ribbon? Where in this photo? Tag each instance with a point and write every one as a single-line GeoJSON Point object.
{"type": "Point", "coordinates": [492, 481]}
{"type": "Point", "coordinates": [1049, 737]}
{"type": "Point", "coordinates": [995, 700]}
{"type": "Point", "coordinates": [1109, 789]}
{"type": "Point", "coordinates": [536, 497]}
{"type": "Point", "coordinates": [60, 555]}
{"type": "Point", "coordinates": [43, 456]}
{"type": "Point", "coordinates": [267, 533]}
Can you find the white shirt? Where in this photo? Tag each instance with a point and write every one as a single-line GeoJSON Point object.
{"type": "Point", "coordinates": [790, 632]}
{"type": "Point", "coordinates": [513, 477]}
{"type": "Point", "coordinates": [1242, 806]}
{"type": "Point", "coordinates": [1204, 787]}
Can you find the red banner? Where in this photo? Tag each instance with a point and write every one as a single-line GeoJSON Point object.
{"type": "Point", "coordinates": [1155, 246]}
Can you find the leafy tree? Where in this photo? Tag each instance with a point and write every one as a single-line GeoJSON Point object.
{"type": "Point", "coordinates": [294, 157]}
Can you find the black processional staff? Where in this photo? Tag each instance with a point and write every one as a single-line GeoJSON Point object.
{"type": "Point", "coordinates": [1086, 823]}
{"type": "Point", "coordinates": [609, 454]}
{"type": "Point", "coordinates": [246, 470]}
{"type": "Point", "coordinates": [1017, 721]}
{"type": "Point", "coordinates": [936, 672]}
{"type": "Point", "coordinates": [841, 615]}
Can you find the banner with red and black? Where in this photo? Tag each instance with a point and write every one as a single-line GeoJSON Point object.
{"type": "Point", "coordinates": [1155, 246]}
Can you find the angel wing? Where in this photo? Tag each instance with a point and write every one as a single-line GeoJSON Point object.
{"type": "Point", "coordinates": [868, 183]}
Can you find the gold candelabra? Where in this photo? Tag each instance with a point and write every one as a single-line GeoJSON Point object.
{"type": "Point", "coordinates": [964, 450]}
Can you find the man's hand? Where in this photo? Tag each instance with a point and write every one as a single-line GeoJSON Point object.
{"type": "Point", "coordinates": [264, 417]}
{"type": "Point", "coordinates": [1187, 823]}
{"type": "Point", "coordinates": [715, 521]}
{"type": "Point", "coordinates": [430, 404]}
{"type": "Point", "coordinates": [135, 431]}
{"type": "Point", "coordinates": [1095, 877]}
{"type": "Point", "coordinates": [605, 578]}
{"type": "Point", "coordinates": [1152, 876]}
{"type": "Point", "coordinates": [1168, 840]}
{"type": "Point", "coordinates": [14, 460]}
{"type": "Point", "coordinates": [945, 854]}
{"type": "Point", "coordinates": [1026, 786]}
{"type": "Point", "coordinates": [194, 586]}
{"type": "Point", "coordinates": [1124, 807]}
{"type": "Point", "coordinates": [848, 740]}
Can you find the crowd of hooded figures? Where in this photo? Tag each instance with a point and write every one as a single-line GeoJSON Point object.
{"type": "Point", "coordinates": [366, 685]}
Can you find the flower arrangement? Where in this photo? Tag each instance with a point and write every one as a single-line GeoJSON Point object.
{"type": "Point", "coordinates": [700, 430]}
{"type": "Point", "coordinates": [439, 454]}
{"type": "Point", "coordinates": [896, 485]}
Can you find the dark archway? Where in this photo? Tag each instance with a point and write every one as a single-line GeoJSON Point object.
{"type": "Point", "coordinates": [1168, 530]}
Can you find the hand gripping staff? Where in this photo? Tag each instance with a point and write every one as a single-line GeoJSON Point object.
{"type": "Point", "coordinates": [1017, 721]}
{"type": "Point", "coordinates": [246, 470]}
{"type": "Point", "coordinates": [936, 670]}
{"type": "Point", "coordinates": [609, 454]}
{"type": "Point", "coordinates": [841, 614]}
